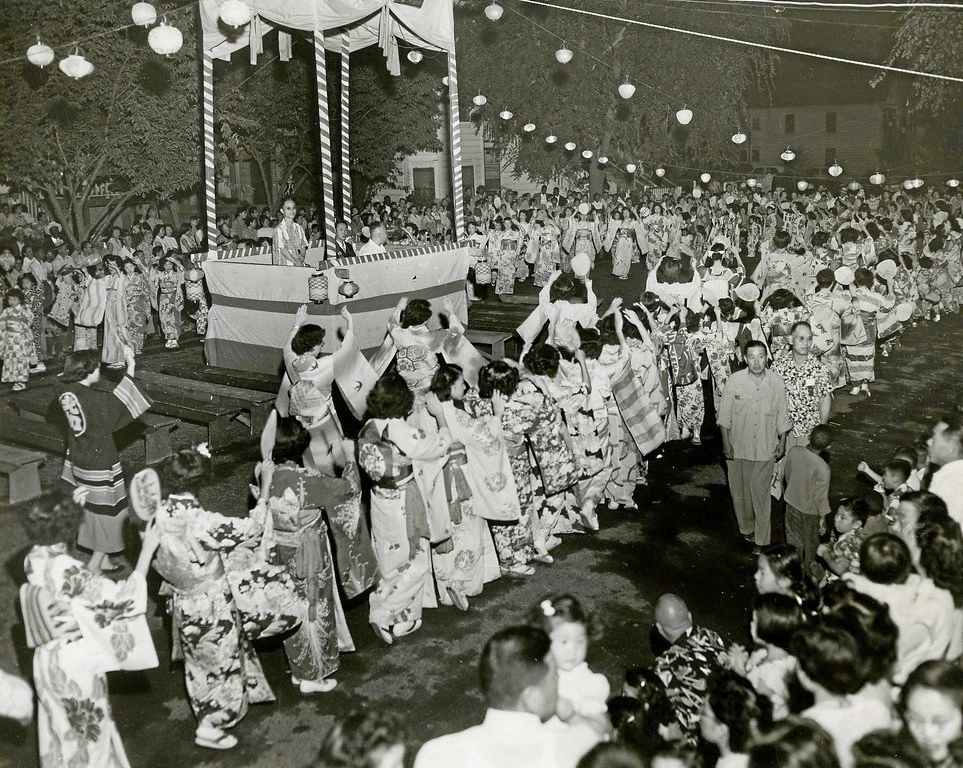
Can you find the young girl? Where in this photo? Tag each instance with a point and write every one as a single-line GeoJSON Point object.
{"type": "Point", "coordinates": [842, 555]}
{"type": "Point", "coordinates": [780, 570]}
{"type": "Point", "coordinates": [33, 300]}
{"type": "Point", "coordinates": [16, 342]}
{"type": "Point", "coordinates": [582, 693]}
{"type": "Point", "coordinates": [931, 706]}
{"type": "Point", "coordinates": [170, 302]}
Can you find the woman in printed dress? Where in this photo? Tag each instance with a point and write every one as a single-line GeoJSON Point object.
{"type": "Point", "coordinates": [33, 299]}
{"type": "Point", "coordinates": [82, 626]}
{"type": "Point", "coordinates": [115, 315]}
{"type": "Point", "coordinates": [544, 250]}
{"type": "Point", "coordinates": [657, 233]}
{"type": "Point", "coordinates": [833, 318]}
{"type": "Point", "coordinates": [211, 625]}
{"type": "Point", "coordinates": [169, 282]}
{"type": "Point", "coordinates": [289, 243]}
{"type": "Point", "coordinates": [508, 248]}
{"type": "Point", "coordinates": [535, 437]}
{"type": "Point", "coordinates": [304, 505]}
{"type": "Point", "coordinates": [624, 240]}
{"type": "Point", "coordinates": [407, 512]}
{"type": "Point", "coordinates": [480, 487]}
{"type": "Point", "coordinates": [16, 341]}
{"type": "Point", "coordinates": [861, 358]}
{"type": "Point", "coordinates": [137, 296]}
{"type": "Point", "coordinates": [780, 311]}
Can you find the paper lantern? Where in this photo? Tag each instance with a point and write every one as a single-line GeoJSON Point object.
{"type": "Point", "coordinates": [586, 153]}
{"type": "Point", "coordinates": [528, 127]}
{"type": "Point", "coordinates": [697, 193]}
{"type": "Point", "coordinates": [630, 168]}
{"type": "Point", "coordinates": [318, 288]}
{"type": "Point", "coordinates": [908, 184]}
{"type": "Point", "coordinates": [235, 13]}
{"type": "Point", "coordinates": [143, 14]}
{"type": "Point", "coordinates": [40, 54]}
{"type": "Point", "coordinates": [570, 146]}
{"type": "Point", "coordinates": [506, 114]}
{"type": "Point", "coordinates": [193, 284]}
{"type": "Point", "coordinates": [479, 101]}
{"type": "Point", "coordinates": [563, 55]}
{"type": "Point", "coordinates": [684, 116]}
{"type": "Point", "coordinates": [415, 57]}
{"type": "Point", "coordinates": [75, 65]}
{"type": "Point", "coordinates": [165, 39]}
{"type": "Point", "coordinates": [917, 183]}
{"type": "Point", "coordinates": [877, 178]}
{"type": "Point", "coordinates": [348, 289]}
{"type": "Point", "coordinates": [854, 186]}
{"type": "Point", "coordinates": [835, 170]}
{"type": "Point", "coordinates": [802, 186]}
{"type": "Point", "coordinates": [788, 155]}
{"type": "Point", "coordinates": [660, 172]}
{"type": "Point", "coordinates": [494, 11]}
{"type": "Point", "coordinates": [444, 81]}
{"type": "Point", "coordinates": [603, 160]}
{"type": "Point", "coordinates": [751, 183]}
{"type": "Point", "coordinates": [706, 178]}
{"type": "Point", "coordinates": [953, 183]}
{"type": "Point", "coordinates": [551, 138]}
{"type": "Point", "coordinates": [626, 90]}
{"type": "Point", "coordinates": [739, 138]}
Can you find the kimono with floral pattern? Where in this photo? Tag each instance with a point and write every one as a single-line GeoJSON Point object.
{"type": "Point", "coordinates": [109, 632]}
{"type": "Point", "coordinates": [17, 344]}
{"type": "Point", "coordinates": [506, 249]}
{"type": "Point", "coordinates": [138, 310]}
{"type": "Point", "coordinates": [299, 502]}
{"type": "Point", "coordinates": [211, 634]}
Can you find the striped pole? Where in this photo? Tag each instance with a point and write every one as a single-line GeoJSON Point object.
{"type": "Point", "coordinates": [324, 124]}
{"type": "Point", "coordinates": [345, 121]}
{"type": "Point", "coordinates": [455, 128]}
{"type": "Point", "coordinates": [210, 183]}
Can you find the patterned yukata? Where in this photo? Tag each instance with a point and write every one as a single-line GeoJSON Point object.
{"type": "Point", "coordinates": [17, 344]}
{"type": "Point", "coordinates": [93, 415]}
{"type": "Point", "coordinates": [846, 546]}
{"type": "Point", "coordinates": [33, 299]}
{"type": "Point", "coordinates": [222, 673]}
{"type": "Point", "coordinates": [170, 302]}
{"type": "Point", "coordinates": [685, 668]}
{"type": "Point", "coordinates": [506, 255]}
{"type": "Point", "coordinates": [582, 237]}
{"type": "Point", "coordinates": [300, 500]}
{"type": "Point", "coordinates": [115, 321]}
{"type": "Point", "coordinates": [75, 726]}
{"type": "Point", "coordinates": [70, 290]}
{"type": "Point", "coordinates": [402, 514]}
{"type": "Point", "coordinates": [137, 298]}
{"type": "Point", "coordinates": [624, 241]}
{"type": "Point", "coordinates": [779, 323]}
{"type": "Point", "coordinates": [544, 251]}
{"type": "Point", "coordinates": [828, 310]}
{"type": "Point", "coordinates": [805, 389]}
{"type": "Point", "coordinates": [861, 358]}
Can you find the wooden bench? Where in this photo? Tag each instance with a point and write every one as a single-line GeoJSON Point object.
{"type": "Point", "coordinates": [490, 343]}
{"type": "Point", "coordinates": [211, 411]}
{"type": "Point", "coordinates": [257, 404]}
{"type": "Point", "coordinates": [35, 409]}
{"type": "Point", "coordinates": [22, 470]}
{"type": "Point", "coordinates": [261, 382]}
{"type": "Point", "coordinates": [32, 432]}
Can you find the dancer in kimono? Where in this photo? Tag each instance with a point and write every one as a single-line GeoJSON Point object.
{"type": "Point", "coordinates": [581, 237]}
{"type": "Point", "coordinates": [289, 244]}
{"type": "Point", "coordinates": [82, 626]}
{"type": "Point", "coordinates": [508, 247]}
{"type": "Point", "coordinates": [137, 297]}
{"type": "Point", "coordinates": [198, 553]}
{"type": "Point", "coordinates": [407, 513]}
{"type": "Point", "coordinates": [304, 506]}
{"type": "Point", "coordinates": [480, 487]}
{"type": "Point", "coordinates": [17, 342]}
{"type": "Point", "coordinates": [170, 299]}
{"type": "Point", "coordinates": [93, 415]}
{"type": "Point", "coordinates": [831, 313]}
{"type": "Point", "coordinates": [89, 311]}
{"type": "Point", "coordinates": [535, 438]}
{"type": "Point", "coordinates": [861, 358]}
{"type": "Point", "coordinates": [33, 299]}
{"type": "Point", "coordinates": [657, 233]}
{"type": "Point", "coordinates": [623, 240]}
{"type": "Point", "coordinates": [544, 250]}
{"type": "Point", "coordinates": [70, 289]}
{"type": "Point", "coordinates": [115, 315]}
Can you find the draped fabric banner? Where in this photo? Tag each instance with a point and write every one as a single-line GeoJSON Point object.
{"type": "Point", "coordinates": [254, 303]}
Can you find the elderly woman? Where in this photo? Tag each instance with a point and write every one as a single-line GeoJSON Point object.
{"type": "Point", "coordinates": [82, 625]}
{"type": "Point", "coordinates": [409, 510]}
{"type": "Point", "coordinates": [304, 505]}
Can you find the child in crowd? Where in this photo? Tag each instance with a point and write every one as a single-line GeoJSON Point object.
{"type": "Point", "coordinates": [732, 714]}
{"type": "Point", "coordinates": [842, 555]}
{"type": "Point", "coordinates": [894, 481]}
{"type": "Point", "coordinates": [33, 300]}
{"type": "Point", "coordinates": [17, 341]}
{"type": "Point", "coordinates": [582, 693]}
{"type": "Point", "coordinates": [806, 476]}
{"type": "Point", "coordinates": [876, 516]}
{"type": "Point", "coordinates": [780, 570]}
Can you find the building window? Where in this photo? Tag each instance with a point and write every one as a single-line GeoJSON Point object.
{"type": "Point", "coordinates": [744, 156]}
{"type": "Point", "coordinates": [830, 157]}
{"type": "Point", "coordinates": [468, 177]}
{"type": "Point", "coordinates": [830, 122]}
{"type": "Point", "coordinates": [423, 181]}
{"type": "Point", "coordinates": [755, 155]}
{"type": "Point", "coordinates": [789, 124]}
{"type": "Point", "coordinates": [756, 123]}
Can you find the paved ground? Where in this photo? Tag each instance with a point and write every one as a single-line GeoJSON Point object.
{"type": "Point", "coordinates": [684, 539]}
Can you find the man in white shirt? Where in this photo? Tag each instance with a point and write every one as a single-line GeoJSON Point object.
{"type": "Point", "coordinates": [946, 451]}
{"type": "Point", "coordinates": [520, 684]}
{"type": "Point", "coordinates": [378, 237]}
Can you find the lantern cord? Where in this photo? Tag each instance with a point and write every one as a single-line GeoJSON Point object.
{"type": "Point", "coordinates": [749, 43]}
{"type": "Point", "coordinates": [855, 6]}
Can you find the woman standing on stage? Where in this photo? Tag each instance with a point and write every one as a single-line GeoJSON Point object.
{"type": "Point", "coordinates": [289, 243]}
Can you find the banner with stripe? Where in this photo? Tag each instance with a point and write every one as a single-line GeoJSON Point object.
{"type": "Point", "coordinates": [253, 304]}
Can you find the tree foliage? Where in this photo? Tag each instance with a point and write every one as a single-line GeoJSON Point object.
{"type": "Point", "coordinates": [512, 63]}
{"type": "Point", "coordinates": [130, 129]}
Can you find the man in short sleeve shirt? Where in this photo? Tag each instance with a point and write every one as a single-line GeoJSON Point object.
{"type": "Point", "coordinates": [809, 391]}
{"type": "Point", "coordinates": [754, 420]}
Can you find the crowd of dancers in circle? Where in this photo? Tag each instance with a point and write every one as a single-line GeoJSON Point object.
{"type": "Point", "coordinates": [465, 473]}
